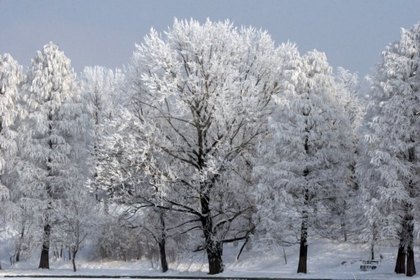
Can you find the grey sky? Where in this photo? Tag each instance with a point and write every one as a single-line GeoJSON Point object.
{"type": "Point", "coordinates": [103, 32]}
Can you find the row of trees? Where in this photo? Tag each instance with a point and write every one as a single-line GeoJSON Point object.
{"type": "Point", "coordinates": [212, 135]}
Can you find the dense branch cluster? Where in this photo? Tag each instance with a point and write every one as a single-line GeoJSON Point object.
{"type": "Point", "coordinates": [211, 135]}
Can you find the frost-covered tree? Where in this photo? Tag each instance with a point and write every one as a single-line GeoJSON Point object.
{"type": "Point", "coordinates": [11, 78]}
{"type": "Point", "coordinates": [23, 228]}
{"type": "Point", "coordinates": [134, 181]}
{"type": "Point", "coordinates": [99, 87]}
{"type": "Point", "coordinates": [304, 159]}
{"type": "Point", "coordinates": [348, 96]}
{"type": "Point", "coordinates": [156, 223]}
{"type": "Point", "coordinates": [51, 137]}
{"type": "Point", "coordinates": [389, 170]}
{"type": "Point", "coordinates": [198, 98]}
{"type": "Point", "coordinates": [100, 91]}
{"type": "Point", "coordinates": [77, 220]}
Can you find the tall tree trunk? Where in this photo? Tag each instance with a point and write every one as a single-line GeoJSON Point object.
{"type": "Point", "coordinates": [400, 264]}
{"type": "Point", "coordinates": [343, 225]}
{"type": "Point", "coordinates": [22, 234]}
{"type": "Point", "coordinates": [372, 251]}
{"type": "Point", "coordinates": [409, 225]}
{"type": "Point", "coordinates": [73, 259]}
{"type": "Point", "coordinates": [44, 262]}
{"type": "Point", "coordinates": [303, 253]}
{"type": "Point", "coordinates": [372, 245]}
{"type": "Point", "coordinates": [284, 254]}
{"type": "Point", "coordinates": [162, 242]}
{"type": "Point", "coordinates": [214, 248]}
{"type": "Point", "coordinates": [343, 221]}
{"type": "Point", "coordinates": [214, 255]}
{"type": "Point", "coordinates": [411, 267]}
{"type": "Point", "coordinates": [18, 256]}
{"type": "Point", "coordinates": [162, 252]}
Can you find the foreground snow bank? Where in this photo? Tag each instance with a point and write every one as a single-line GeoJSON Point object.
{"type": "Point", "coordinates": [327, 259]}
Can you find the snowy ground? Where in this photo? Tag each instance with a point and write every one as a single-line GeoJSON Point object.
{"type": "Point", "coordinates": [327, 260]}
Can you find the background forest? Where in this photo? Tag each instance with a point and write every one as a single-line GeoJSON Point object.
{"type": "Point", "coordinates": [211, 135]}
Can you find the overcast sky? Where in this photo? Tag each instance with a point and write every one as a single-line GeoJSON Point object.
{"type": "Point", "coordinates": [352, 33]}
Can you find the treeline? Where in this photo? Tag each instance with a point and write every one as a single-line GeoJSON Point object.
{"type": "Point", "coordinates": [211, 135]}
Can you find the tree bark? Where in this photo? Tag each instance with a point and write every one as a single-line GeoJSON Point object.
{"type": "Point", "coordinates": [214, 255]}
{"type": "Point", "coordinates": [44, 262]}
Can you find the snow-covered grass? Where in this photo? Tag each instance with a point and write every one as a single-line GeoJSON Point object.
{"type": "Point", "coordinates": [327, 259]}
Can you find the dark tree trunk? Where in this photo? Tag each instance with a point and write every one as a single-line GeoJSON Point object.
{"type": "Point", "coordinates": [242, 248]}
{"type": "Point", "coordinates": [162, 242]}
{"type": "Point", "coordinates": [400, 264]}
{"type": "Point", "coordinates": [73, 260]}
{"type": "Point", "coordinates": [374, 239]}
{"type": "Point", "coordinates": [372, 251]}
{"type": "Point", "coordinates": [44, 262]}
{"type": "Point", "coordinates": [409, 225]}
{"type": "Point", "coordinates": [343, 222]}
{"type": "Point", "coordinates": [162, 252]}
{"type": "Point", "coordinates": [343, 225]}
{"type": "Point", "coordinates": [22, 234]}
{"type": "Point", "coordinates": [284, 255]}
{"type": "Point", "coordinates": [411, 266]}
{"type": "Point", "coordinates": [303, 253]}
{"type": "Point", "coordinates": [214, 255]}
{"type": "Point", "coordinates": [214, 248]}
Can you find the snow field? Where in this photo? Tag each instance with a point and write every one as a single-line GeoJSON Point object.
{"type": "Point", "coordinates": [326, 260]}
